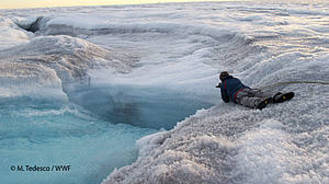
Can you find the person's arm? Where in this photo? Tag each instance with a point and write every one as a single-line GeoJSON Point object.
{"type": "Point", "coordinates": [225, 96]}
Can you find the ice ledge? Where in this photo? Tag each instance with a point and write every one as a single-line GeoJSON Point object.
{"type": "Point", "coordinates": [232, 144]}
{"type": "Point", "coordinates": [184, 154]}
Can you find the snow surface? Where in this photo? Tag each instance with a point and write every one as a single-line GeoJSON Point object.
{"type": "Point", "coordinates": [143, 65]}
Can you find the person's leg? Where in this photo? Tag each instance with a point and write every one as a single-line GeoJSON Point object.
{"type": "Point", "coordinates": [248, 98]}
{"type": "Point", "coordinates": [245, 98]}
{"type": "Point", "coordinates": [251, 102]}
{"type": "Point", "coordinates": [277, 97]}
{"type": "Point", "coordinates": [261, 94]}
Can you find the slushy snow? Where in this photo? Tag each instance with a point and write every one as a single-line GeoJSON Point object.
{"type": "Point", "coordinates": [155, 67]}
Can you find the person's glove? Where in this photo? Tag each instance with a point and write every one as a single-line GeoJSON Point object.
{"type": "Point", "coordinates": [219, 85]}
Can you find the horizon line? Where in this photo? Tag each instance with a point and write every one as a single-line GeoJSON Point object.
{"type": "Point", "coordinates": [53, 4]}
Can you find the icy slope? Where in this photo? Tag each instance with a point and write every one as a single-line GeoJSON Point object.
{"type": "Point", "coordinates": [11, 34]}
{"type": "Point", "coordinates": [51, 61]}
{"type": "Point", "coordinates": [230, 144]}
{"type": "Point", "coordinates": [284, 143]}
{"type": "Point", "coordinates": [41, 125]}
{"type": "Point", "coordinates": [153, 65]}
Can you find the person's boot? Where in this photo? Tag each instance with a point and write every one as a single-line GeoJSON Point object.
{"type": "Point", "coordinates": [264, 103]}
{"type": "Point", "coordinates": [281, 97]}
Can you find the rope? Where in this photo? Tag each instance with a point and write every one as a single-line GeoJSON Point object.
{"type": "Point", "coordinates": [295, 82]}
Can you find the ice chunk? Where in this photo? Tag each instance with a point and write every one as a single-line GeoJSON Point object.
{"type": "Point", "coordinates": [11, 35]}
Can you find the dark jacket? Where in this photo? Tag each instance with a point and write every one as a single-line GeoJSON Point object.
{"type": "Point", "coordinates": [230, 87]}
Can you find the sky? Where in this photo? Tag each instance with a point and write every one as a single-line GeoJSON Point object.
{"type": "Point", "coordinates": [13, 4]}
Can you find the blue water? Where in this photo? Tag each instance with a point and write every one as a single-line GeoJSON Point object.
{"type": "Point", "coordinates": [94, 133]}
{"type": "Point", "coordinates": [149, 107]}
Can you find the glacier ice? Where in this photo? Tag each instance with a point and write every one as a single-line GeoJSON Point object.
{"type": "Point", "coordinates": [151, 66]}
{"type": "Point", "coordinates": [11, 34]}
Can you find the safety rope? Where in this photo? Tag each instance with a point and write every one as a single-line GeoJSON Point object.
{"type": "Point", "coordinates": [295, 82]}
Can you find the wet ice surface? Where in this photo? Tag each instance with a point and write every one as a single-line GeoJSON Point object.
{"type": "Point", "coordinates": [139, 106]}
{"type": "Point", "coordinates": [44, 135]}
{"type": "Point", "coordinates": [91, 81]}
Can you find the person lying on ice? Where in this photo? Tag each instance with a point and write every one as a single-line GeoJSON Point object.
{"type": "Point", "coordinates": [232, 89]}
